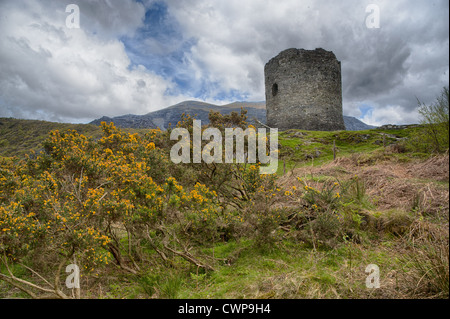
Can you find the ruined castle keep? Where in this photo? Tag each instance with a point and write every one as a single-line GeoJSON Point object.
{"type": "Point", "coordinates": [304, 91]}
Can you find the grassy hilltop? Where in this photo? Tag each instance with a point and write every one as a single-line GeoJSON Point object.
{"type": "Point", "coordinates": [18, 137]}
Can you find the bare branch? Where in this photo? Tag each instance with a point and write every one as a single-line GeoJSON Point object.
{"type": "Point", "coordinates": [37, 274]}
{"type": "Point", "coordinates": [188, 257]}
{"type": "Point", "coordinates": [13, 280]}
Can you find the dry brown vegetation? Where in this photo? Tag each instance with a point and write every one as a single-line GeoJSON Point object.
{"type": "Point", "coordinates": [391, 184]}
{"type": "Point", "coordinates": [408, 200]}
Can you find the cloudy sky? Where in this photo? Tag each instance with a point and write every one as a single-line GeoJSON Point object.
{"type": "Point", "coordinates": [135, 57]}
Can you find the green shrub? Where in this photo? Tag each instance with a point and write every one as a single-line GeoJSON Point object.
{"type": "Point", "coordinates": [433, 135]}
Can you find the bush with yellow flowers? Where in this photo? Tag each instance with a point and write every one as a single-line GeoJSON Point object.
{"type": "Point", "coordinates": [329, 213]}
{"type": "Point", "coordinates": [107, 201]}
{"type": "Point", "coordinates": [80, 198]}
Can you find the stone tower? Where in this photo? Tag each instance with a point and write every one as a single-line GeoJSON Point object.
{"type": "Point", "coordinates": [304, 91]}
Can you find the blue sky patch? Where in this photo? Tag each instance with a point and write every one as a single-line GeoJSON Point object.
{"type": "Point", "coordinates": [160, 47]}
{"type": "Point", "coordinates": [365, 109]}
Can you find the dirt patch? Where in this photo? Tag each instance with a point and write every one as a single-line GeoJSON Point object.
{"type": "Point", "coordinates": [404, 194]}
{"type": "Point", "coordinates": [419, 184]}
{"type": "Point", "coordinates": [436, 168]}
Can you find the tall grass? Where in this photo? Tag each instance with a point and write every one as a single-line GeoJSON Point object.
{"type": "Point", "coordinates": [427, 262]}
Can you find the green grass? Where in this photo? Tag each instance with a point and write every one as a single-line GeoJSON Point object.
{"type": "Point", "coordinates": [18, 137]}
{"type": "Point", "coordinates": [316, 147]}
{"type": "Point", "coordinates": [290, 271]}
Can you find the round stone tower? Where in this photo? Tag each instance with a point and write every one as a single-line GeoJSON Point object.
{"type": "Point", "coordinates": [304, 91]}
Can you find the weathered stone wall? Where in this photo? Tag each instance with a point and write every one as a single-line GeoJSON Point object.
{"type": "Point", "coordinates": [304, 91]}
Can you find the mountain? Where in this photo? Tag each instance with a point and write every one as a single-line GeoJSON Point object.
{"type": "Point", "coordinates": [172, 114]}
{"type": "Point", "coordinates": [353, 124]}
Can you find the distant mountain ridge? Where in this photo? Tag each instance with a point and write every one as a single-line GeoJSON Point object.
{"type": "Point", "coordinates": [172, 114]}
{"type": "Point", "coordinates": [353, 124]}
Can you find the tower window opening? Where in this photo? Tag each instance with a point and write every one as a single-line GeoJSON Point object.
{"type": "Point", "coordinates": [274, 89]}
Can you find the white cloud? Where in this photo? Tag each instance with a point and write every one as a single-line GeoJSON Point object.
{"type": "Point", "coordinates": [52, 72]}
{"type": "Point", "coordinates": [392, 114]}
{"type": "Point", "coordinates": [236, 38]}
{"type": "Point", "coordinates": [111, 19]}
{"type": "Point", "coordinates": [387, 67]}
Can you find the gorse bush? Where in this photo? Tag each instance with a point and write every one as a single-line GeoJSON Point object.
{"type": "Point", "coordinates": [328, 198]}
{"type": "Point", "coordinates": [331, 213]}
{"type": "Point", "coordinates": [80, 198]}
{"type": "Point", "coordinates": [73, 200]}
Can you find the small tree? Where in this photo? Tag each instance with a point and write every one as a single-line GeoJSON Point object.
{"type": "Point", "coordinates": [433, 134]}
{"type": "Point", "coordinates": [435, 118]}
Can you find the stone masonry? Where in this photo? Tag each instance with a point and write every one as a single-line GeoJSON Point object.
{"type": "Point", "coordinates": [304, 91]}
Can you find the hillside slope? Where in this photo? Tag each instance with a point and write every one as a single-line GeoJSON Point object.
{"type": "Point", "coordinates": [18, 137]}
{"type": "Point", "coordinates": [172, 114]}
